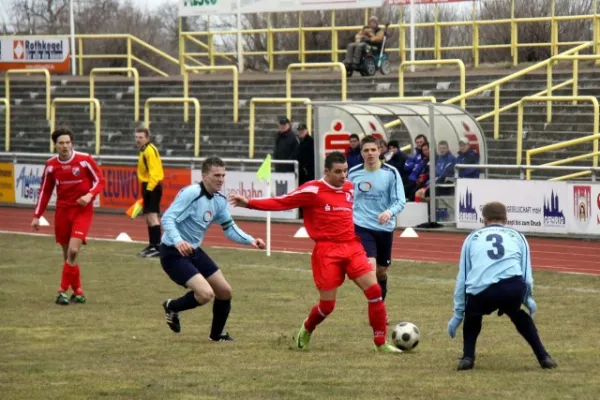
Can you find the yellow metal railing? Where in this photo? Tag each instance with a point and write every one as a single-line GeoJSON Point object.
{"type": "Point", "coordinates": [177, 100]}
{"type": "Point", "coordinates": [435, 51]}
{"type": "Point", "coordinates": [557, 146]}
{"type": "Point", "coordinates": [43, 71]}
{"type": "Point", "coordinates": [461, 69]}
{"type": "Point", "coordinates": [6, 103]}
{"type": "Point", "coordinates": [496, 85]}
{"type": "Point", "coordinates": [236, 89]}
{"type": "Point", "coordinates": [136, 87]}
{"type": "Point", "coordinates": [524, 100]}
{"type": "Point", "coordinates": [274, 100]}
{"type": "Point", "coordinates": [67, 100]}
{"type": "Point", "coordinates": [288, 79]}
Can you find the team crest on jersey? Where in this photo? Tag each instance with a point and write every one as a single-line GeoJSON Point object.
{"type": "Point", "coordinates": [364, 186]}
{"type": "Point", "coordinates": [76, 171]}
{"type": "Point", "coordinates": [208, 216]}
{"type": "Point", "coordinates": [349, 197]}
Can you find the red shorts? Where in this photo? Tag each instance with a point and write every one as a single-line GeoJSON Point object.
{"type": "Point", "coordinates": [331, 262]}
{"type": "Point", "coordinates": [72, 222]}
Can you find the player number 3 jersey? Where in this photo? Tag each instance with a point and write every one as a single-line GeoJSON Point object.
{"type": "Point", "coordinates": [327, 209]}
{"type": "Point", "coordinates": [72, 178]}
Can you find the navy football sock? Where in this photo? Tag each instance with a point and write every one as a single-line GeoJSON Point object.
{"type": "Point", "coordinates": [527, 329]}
{"type": "Point", "coordinates": [185, 302]}
{"type": "Point", "coordinates": [383, 286]}
{"type": "Point", "coordinates": [471, 330]}
{"type": "Point", "coordinates": [221, 309]}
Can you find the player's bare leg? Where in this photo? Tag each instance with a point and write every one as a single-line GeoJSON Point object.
{"type": "Point", "coordinates": [377, 313]}
{"type": "Point", "coordinates": [317, 315]}
{"type": "Point", "coordinates": [221, 307]}
{"type": "Point", "coordinates": [200, 293]}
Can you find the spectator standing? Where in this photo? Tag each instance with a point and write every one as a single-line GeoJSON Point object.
{"type": "Point", "coordinates": [286, 145]}
{"type": "Point", "coordinates": [306, 155]}
{"type": "Point", "coordinates": [352, 153]}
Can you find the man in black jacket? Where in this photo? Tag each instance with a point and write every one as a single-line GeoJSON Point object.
{"type": "Point", "coordinates": [286, 145]}
{"type": "Point", "coordinates": [306, 155]}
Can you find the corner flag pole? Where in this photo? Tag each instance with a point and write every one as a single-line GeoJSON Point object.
{"type": "Point", "coordinates": [264, 174]}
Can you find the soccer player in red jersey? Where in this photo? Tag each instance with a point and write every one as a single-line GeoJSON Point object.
{"type": "Point", "coordinates": [327, 206]}
{"type": "Point", "coordinates": [78, 181]}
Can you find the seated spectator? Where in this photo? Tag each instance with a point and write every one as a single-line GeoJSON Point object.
{"type": "Point", "coordinates": [353, 155]}
{"type": "Point", "coordinates": [413, 160]}
{"type": "Point", "coordinates": [372, 36]}
{"type": "Point", "coordinates": [467, 155]}
{"type": "Point", "coordinates": [419, 176]}
{"type": "Point", "coordinates": [444, 168]}
{"type": "Point", "coordinates": [384, 154]}
{"type": "Point", "coordinates": [397, 159]}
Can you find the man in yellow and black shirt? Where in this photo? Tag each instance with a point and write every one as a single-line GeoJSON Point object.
{"type": "Point", "coordinates": [150, 174]}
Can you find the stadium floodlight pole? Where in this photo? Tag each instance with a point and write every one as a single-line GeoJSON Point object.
{"type": "Point", "coordinates": [432, 156]}
{"type": "Point", "coordinates": [72, 23]}
{"type": "Point", "coordinates": [239, 37]}
{"type": "Point", "coordinates": [412, 35]}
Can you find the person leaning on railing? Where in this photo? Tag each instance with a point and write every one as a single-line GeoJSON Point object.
{"type": "Point", "coordinates": [373, 35]}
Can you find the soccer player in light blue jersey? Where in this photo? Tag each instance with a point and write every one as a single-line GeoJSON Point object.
{"type": "Point", "coordinates": [378, 198]}
{"type": "Point", "coordinates": [495, 274]}
{"type": "Point", "coordinates": [185, 223]}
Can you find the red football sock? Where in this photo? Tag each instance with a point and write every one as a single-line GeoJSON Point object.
{"type": "Point", "coordinates": [76, 281]}
{"type": "Point", "coordinates": [66, 278]}
{"type": "Point", "coordinates": [377, 314]}
{"type": "Point", "coordinates": [318, 314]}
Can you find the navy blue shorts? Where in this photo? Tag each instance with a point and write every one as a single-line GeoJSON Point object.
{"type": "Point", "coordinates": [377, 244]}
{"type": "Point", "coordinates": [181, 269]}
{"type": "Point", "coordinates": [506, 296]}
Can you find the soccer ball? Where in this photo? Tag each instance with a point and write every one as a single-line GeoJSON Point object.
{"type": "Point", "coordinates": [406, 336]}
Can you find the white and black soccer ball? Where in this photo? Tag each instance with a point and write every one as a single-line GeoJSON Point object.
{"type": "Point", "coordinates": [406, 336]}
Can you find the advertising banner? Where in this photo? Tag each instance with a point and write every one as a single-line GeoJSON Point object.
{"type": "Point", "coordinates": [409, 2]}
{"type": "Point", "coordinates": [203, 7]}
{"type": "Point", "coordinates": [584, 208]}
{"type": "Point", "coordinates": [35, 52]}
{"type": "Point", "coordinates": [7, 186]}
{"type": "Point", "coordinates": [246, 184]}
{"type": "Point", "coordinates": [533, 206]}
{"type": "Point", "coordinates": [122, 187]}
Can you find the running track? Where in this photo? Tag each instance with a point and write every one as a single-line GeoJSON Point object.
{"type": "Point", "coordinates": [561, 255]}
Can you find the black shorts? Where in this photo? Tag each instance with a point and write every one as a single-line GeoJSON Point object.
{"type": "Point", "coordinates": [151, 198]}
{"type": "Point", "coordinates": [181, 269]}
{"type": "Point", "coordinates": [377, 244]}
{"type": "Point", "coordinates": [506, 296]}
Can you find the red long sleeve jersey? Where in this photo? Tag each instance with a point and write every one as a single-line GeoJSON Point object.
{"type": "Point", "coordinates": [327, 209]}
{"type": "Point", "coordinates": [73, 178]}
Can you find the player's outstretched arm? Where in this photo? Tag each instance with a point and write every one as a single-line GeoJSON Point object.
{"type": "Point", "coordinates": [296, 199]}
{"type": "Point", "coordinates": [460, 290]}
{"type": "Point", "coordinates": [232, 231]}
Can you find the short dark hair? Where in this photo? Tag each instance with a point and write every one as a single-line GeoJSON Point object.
{"type": "Point", "coordinates": [143, 129]}
{"type": "Point", "coordinates": [426, 144]}
{"type": "Point", "coordinates": [60, 132]}
{"type": "Point", "coordinates": [443, 143]}
{"type": "Point", "coordinates": [335, 157]}
{"type": "Point", "coordinates": [494, 211]}
{"type": "Point", "coordinates": [421, 136]}
{"type": "Point", "coordinates": [394, 143]}
{"type": "Point", "coordinates": [210, 162]}
{"type": "Point", "coordinates": [369, 139]}
{"type": "Point", "coordinates": [354, 136]}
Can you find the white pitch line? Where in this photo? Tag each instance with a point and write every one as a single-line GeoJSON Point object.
{"type": "Point", "coordinates": [437, 280]}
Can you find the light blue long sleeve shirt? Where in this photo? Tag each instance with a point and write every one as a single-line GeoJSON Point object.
{"type": "Point", "coordinates": [193, 211]}
{"type": "Point", "coordinates": [374, 193]}
{"type": "Point", "coordinates": [489, 255]}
